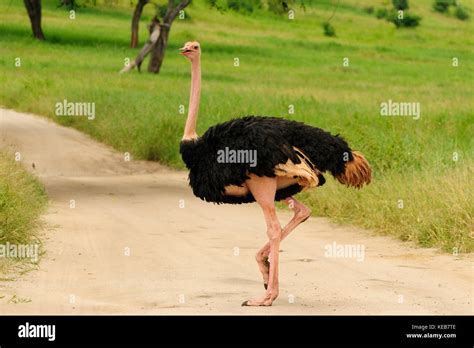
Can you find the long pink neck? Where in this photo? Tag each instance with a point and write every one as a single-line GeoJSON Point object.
{"type": "Point", "coordinates": [195, 96]}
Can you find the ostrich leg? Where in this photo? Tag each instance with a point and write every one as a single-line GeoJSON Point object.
{"type": "Point", "coordinates": [263, 189]}
{"type": "Point", "coordinates": [301, 215]}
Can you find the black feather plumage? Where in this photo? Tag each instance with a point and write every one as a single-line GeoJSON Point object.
{"type": "Point", "coordinates": [273, 139]}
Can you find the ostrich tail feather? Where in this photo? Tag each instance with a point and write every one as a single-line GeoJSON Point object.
{"type": "Point", "coordinates": [357, 172]}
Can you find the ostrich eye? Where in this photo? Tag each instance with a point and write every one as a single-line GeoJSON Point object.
{"type": "Point", "coordinates": [196, 47]}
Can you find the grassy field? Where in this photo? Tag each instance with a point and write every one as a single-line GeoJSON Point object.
{"type": "Point", "coordinates": [22, 200]}
{"type": "Point", "coordinates": [419, 192]}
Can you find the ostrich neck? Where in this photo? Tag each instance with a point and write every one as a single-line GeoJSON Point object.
{"type": "Point", "coordinates": [195, 95]}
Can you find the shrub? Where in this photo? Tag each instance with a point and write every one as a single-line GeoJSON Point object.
{"type": "Point", "coordinates": [369, 9]}
{"type": "Point", "coordinates": [461, 13]}
{"type": "Point", "coordinates": [277, 6]}
{"type": "Point", "coordinates": [408, 20]}
{"type": "Point", "coordinates": [400, 4]}
{"type": "Point", "coordinates": [442, 5]}
{"type": "Point", "coordinates": [329, 29]}
{"type": "Point", "coordinates": [381, 13]}
{"type": "Point", "coordinates": [244, 6]}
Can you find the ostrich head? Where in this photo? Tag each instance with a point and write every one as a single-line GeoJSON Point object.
{"type": "Point", "coordinates": [191, 50]}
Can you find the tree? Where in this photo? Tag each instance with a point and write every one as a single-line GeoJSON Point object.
{"type": "Point", "coordinates": [158, 49]}
{"type": "Point", "coordinates": [33, 7]}
{"type": "Point", "coordinates": [172, 10]}
{"type": "Point", "coordinates": [136, 21]}
{"type": "Point", "coordinates": [154, 31]}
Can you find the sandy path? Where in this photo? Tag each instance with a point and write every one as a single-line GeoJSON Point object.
{"type": "Point", "coordinates": [185, 260]}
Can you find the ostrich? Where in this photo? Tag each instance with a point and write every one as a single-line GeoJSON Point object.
{"type": "Point", "coordinates": [290, 157]}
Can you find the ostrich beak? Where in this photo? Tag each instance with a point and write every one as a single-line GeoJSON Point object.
{"type": "Point", "coordinates": [182, 50]}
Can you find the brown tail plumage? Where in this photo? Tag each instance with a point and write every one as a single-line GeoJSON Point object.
{"type": "Point", "coordinates": [357, 173]}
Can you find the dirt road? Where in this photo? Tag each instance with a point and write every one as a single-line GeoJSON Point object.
{"type": "Point", "coordinates": [138, 241]}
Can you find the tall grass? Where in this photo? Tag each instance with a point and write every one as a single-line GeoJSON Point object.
{"type": "Point", "coordinates": [427, 207]}
{"type": "Point", "coordinates": [282, 62]}
{"type": "Point", "coordinates": [22, 200]}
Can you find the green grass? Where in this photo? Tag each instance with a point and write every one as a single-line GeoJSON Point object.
{"type": "Point", "coordinates": [22, 200]}
{"type": "Point", "coordinates": [282, 62]}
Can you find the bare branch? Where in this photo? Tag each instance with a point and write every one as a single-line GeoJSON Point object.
{"type": "Point", "coordinates": [173, 11]}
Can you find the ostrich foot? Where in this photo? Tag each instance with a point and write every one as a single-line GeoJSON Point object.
{"type": "Point", "coordinates": [265, 301]}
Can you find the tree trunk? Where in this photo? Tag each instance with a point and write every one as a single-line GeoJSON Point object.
{"type": "Point", "coordinates": [154, 30]}
{"type": "Point", "coordinates": [136, 22]}
{"type": "Point", "coordinates": [158, 50]}
{"type": "Point", "coordinates": [33, 7]}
